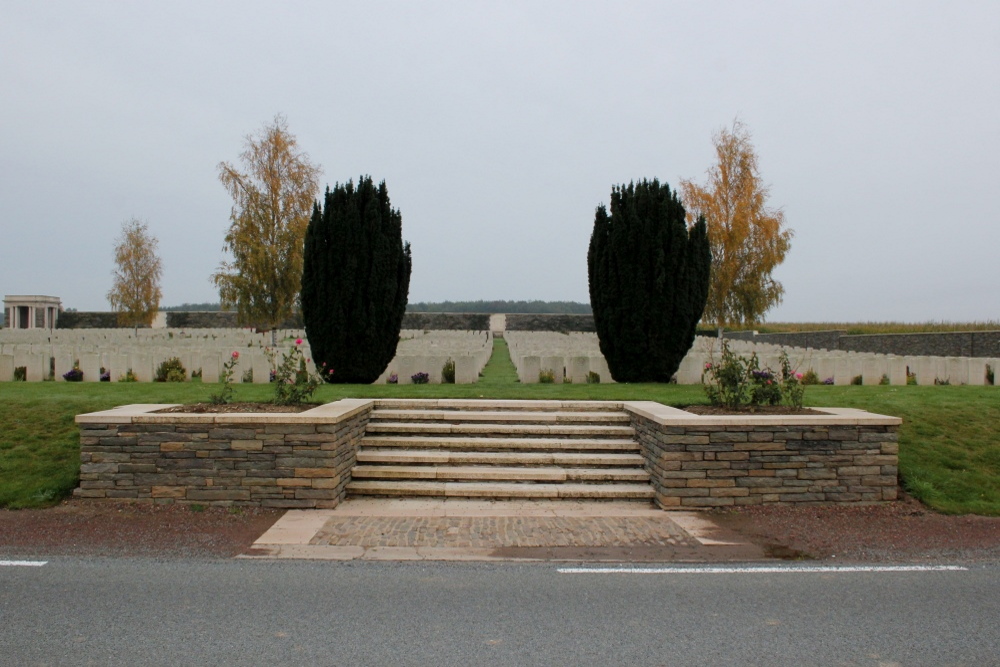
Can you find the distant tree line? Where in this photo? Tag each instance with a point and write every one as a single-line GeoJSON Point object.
{"type": "Point", "coordinates": [513, 307]}
{"type": "Point", "coordinates": [194, 307]}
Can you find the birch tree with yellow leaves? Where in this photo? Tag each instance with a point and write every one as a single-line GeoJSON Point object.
{"type": "Point", "coordinates": [135, 293]}
{"type": "Point", "coordinates": [273, 194]}
{"type": "Point", "coordinates": [748, 239]}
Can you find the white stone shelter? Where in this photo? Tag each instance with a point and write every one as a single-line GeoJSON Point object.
{"type": "Point", "coordinates": [32, 311]}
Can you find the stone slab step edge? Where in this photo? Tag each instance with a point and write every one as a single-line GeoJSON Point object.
{"type": "Point", "coordinates": [499, 429]}
{"type": "Point", "coordinates": [412, 456]}
{"type": "Point", "coordinates": [457, 416]}
{"type": "Point", "coordinates": [523, 405]}
{"type": "Point", "coordinates": [500, 443]}
{"type": "Point", "coordinates": [619, 491]}
{"type": "Point", "coordinates": [499, 473]}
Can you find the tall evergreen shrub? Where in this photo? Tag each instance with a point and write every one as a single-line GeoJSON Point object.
{"type": "Point", "coordinates": [355, 281]}
{"type": "Point", "coordinates": [649, 278]}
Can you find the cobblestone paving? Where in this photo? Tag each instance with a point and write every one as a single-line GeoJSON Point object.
{"type": "Point", "coordinates": [498, 532]}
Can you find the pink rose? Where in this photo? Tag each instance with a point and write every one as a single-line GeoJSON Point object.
{"type": "Point", "coordinates": [798, 376]}
{"type": "Point", "coordinates": [236, 355]}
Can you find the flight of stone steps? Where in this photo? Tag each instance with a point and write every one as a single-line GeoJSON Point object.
{"type": "Point", "coordinates": [500, 449]}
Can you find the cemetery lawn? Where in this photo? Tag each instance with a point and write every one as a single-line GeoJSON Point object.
{"type": "Point", "coordinates": [949, 441]}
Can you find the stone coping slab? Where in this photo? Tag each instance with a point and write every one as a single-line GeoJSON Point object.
{"type": "Point", "coordinates": [668, 416]}
{"type": "Point", "coordinates": [143, 413]}
{"type": "Point", "coordinates": [330, 413]}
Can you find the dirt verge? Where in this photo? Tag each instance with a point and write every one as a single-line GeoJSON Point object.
{"type": "Point", "coordinates": [102, 528]}
{"type": "Point", "coordinates": [902, 531]}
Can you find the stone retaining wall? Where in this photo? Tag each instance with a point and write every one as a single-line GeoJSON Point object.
{"type": "Point", "coordinates": [931, 344]}
{"type": "Point", "coordinates": [301, 460]}
{"type": "Point", "coordinates": [845, 457]}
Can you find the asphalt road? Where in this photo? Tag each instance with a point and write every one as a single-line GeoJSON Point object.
{"type": "Point", "coordinates": [240, 612]}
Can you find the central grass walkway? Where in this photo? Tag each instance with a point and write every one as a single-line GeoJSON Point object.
{"type": "Point", "coordinates": [499, 369]}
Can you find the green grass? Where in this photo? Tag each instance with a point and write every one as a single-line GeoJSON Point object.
{"type": "Point", "coordinates": [949, 442]}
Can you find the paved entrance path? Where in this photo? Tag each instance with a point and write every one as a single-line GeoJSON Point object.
{"type": "Point", "coordinates": [403, 529]}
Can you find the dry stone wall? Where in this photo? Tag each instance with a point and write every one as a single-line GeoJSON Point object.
{"type": "Point", "coordinates": [848, 457]}
{"type": "Point", "coordinates": [299, 460]}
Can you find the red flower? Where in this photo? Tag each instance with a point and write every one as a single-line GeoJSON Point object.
{"type": "Point", "coordinates": [298, 341]}
{"type": "Point", "coordinates": [236, 355]}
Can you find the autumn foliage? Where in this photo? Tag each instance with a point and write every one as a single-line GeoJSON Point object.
{"type": "Point", "coordinates": [135, 293]}
{"type": "Point", "coordinates": [748, 239]}
{"type": "Point", "coordinates": [272, 196]}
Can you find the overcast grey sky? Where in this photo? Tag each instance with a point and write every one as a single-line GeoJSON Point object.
{"type": "Point", "coordinates": [499, 127]}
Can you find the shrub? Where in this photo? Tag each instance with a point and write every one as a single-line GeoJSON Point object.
{"type": "Point", "coordinates": [105, 375]}
{"type": "Point", "coordinates": [74, 374]}
{"type": "Point", "coordinates": [884, 379]}
{"type": "Point", "coordinates": [420, 378]}
{"type": "Point", "coordinates": [171, 370]}
{"type": "Point", "coordinates": [648, 276]}
{"type": "Point", "coordinates": [225, 393]}
{"type": "Point", "coordinates": [911, 378]}
{"type": "Point", "coordinates": [196, 374]}
{"type": "Point", "coordinates": [736, 382]}
{"type": "Point", "coordinates": [293, 383]}
{"type": "Point", "coordinates": [593, 378]}
{"type": "Point", "coordinates": [810, 377]}
{"type": "Point", "coordinates": [21, 374]}
{"type": "Point", "coordinates": [448, 372]}
{"type": "Point", "coordinates": [247, 377]}
{"type": "Point", "coordinates": [942, 382]}
{"type": "Point", "coordinates": [547, 376]}
{"type": "Point", "coordinates": [392, 379]}
{"type": "Point", "coordinates": [857, 380]}
{"type": "Point", "coordinates": [991, 377]}
{"type": "Point", "coordinates": [129, 376]}
{"type": "Point", "coordinates": [355, 281]}
{"type": "Point", "coordinates": [828, 381]}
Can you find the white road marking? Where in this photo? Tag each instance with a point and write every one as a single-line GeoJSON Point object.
{"type": "Point", "coordinates": [23, 563]}
{"type": "Point", "coordinates": [762, 569]}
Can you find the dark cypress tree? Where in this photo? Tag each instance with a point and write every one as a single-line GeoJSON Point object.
{"type": "Point", "coordinates": [648, 281]}
{"type": "Point", "coordinates": [355, 281]}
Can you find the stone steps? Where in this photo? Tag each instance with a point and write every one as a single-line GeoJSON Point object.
{"type": "Point", "coordinates": [410, 456]}
{"type": "Point", "coordinates": [499, 473]}
{"type": "Point", "coordinates": [499, 443]}
{"type": "Point", "coordinates": [502, 417]}
{"type": "Point", "coordinates": [497, 430]}
{"type": "Point", "coordinates": [619, 491]}
{"type": "Point", "coordinates": [500, 449]}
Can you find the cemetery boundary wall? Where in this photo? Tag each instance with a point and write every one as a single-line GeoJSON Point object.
{"type": "Point", "coordinates": [843, 457]}
{"type": "Point", "coordinates": [933, 344]}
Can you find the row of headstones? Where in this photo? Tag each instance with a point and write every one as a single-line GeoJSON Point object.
{"type": "Point", "coordinates": [844, 367]}
{"type": "Point", "coordinates": [555, 350]}
{"type": "Point", "coordinates": [557, 357]}
{"type": "Point", "coordinates": [428, 352]}
{"type": "Point", "coordinates": [251, 366]}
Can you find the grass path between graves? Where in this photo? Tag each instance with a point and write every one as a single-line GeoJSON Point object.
{"type": "Point", "coordinates": [949, 441]}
